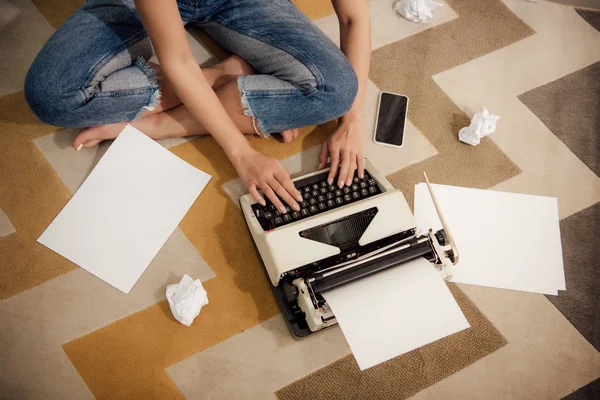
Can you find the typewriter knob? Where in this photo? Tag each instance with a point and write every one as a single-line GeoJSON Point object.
{"type": "Point", "coordinates": [442, 238]}
{"type": "Point", "coordinates": [290, 292]}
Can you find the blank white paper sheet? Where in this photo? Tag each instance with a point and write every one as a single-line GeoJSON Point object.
{"type": "Point", "coordinates": [395, 311]}
{"type": "Point", "coordinates": [504, 240]}
{"type": "Point", "coordinates": [125, 210]}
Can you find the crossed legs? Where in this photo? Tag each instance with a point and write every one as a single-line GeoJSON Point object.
{"type": "Point", "coordinates": [170, 118]}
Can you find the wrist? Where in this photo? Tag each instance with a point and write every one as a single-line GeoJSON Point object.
{"type": "Point", "coordinates": [351, 117]}
{"type": "Point", "coordinates": [237, 149]}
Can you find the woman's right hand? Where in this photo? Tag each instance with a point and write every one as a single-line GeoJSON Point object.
{"type": "Point", "coordinates": [261, 172]}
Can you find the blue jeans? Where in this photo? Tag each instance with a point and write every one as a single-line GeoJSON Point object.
{"type": "Point", "coordinates": [93, 70]}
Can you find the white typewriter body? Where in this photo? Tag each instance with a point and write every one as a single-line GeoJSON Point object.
{"type": "Point", "coordinates": [300, 267]}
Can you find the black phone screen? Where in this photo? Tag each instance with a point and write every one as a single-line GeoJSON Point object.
{"type": "Point", "coordinates": [391, 119]}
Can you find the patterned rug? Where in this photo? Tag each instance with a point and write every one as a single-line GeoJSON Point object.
{"type": "Point", "coordinates": [406, 375]}
{"type": "Point", "coordinates": [66, 334]}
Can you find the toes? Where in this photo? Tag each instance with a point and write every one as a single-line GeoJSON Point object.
{"type": "Point", "coordinates": [81, 139]}
{"type": "Point", "coordinates": [92, 143]}
{"type": "Point", "coordinates": [86, 138]}
{"type": "Point", "coordinates": [92, 136]}
{"type": "Point", "coordinates": [290, 135]}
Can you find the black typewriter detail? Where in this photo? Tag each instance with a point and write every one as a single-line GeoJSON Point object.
{"type": "Point", "coordinates": [318, 197]}
{"type": "Point", "coordinates": [286, 292]}
{"type": "Point", "coordinates": [343, 232]}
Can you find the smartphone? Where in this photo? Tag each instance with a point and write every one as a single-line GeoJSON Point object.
{"type": "Point", "coordinates": [391, 119]}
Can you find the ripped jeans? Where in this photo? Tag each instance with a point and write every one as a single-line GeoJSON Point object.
{"type": "Point", "coordinates": [93, 70]}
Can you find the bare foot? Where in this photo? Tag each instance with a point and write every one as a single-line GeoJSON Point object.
{"type": "Point", "coordinates": [166, 120]}
{"type": "Point", "coordinates": [235, 65]}
{"type": "Point", "coordinates": [158, 126]}
{"type": "Point", "coordinates": [92, 136]}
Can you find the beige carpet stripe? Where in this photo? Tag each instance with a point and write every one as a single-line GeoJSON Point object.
{"type": "Point", "coordinates": [37, 322]}
{"type": "Point", "coordinates": [23, 31]}
{"type": "Point", "coordinates": [73, 167]}
{"type": "Point", "coordinates": [482, 27]}
{"type": "Point", "coordinates": [407, 374]}
{"type": "Point", "coordinates": [257, 362]}
{"type": "Point", "coordinates": [545, 358]}
{"type": "Point", "coordinates": [388, 159]}
{"type": "Point", "coordinates": [548, 166]}
{"type": "Point", "coordinates": [386, 26]}
{"type": "Point", "coordinates": [6, 228]}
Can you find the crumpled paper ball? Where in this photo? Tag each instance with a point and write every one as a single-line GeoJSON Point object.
{"type": "Point", "coordinates": [482, 124]}
{"type": "Point", "coordinates": [417, 10]}
{"type": "Point", "coordinates": [186, 298]}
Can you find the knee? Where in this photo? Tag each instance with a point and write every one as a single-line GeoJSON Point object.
{"type": "Point", "coordinates": [42, 101]}
{"type": "Point", "coordinates": [45, 97]}
{"type": "Point", "coordinates": [340, 89]}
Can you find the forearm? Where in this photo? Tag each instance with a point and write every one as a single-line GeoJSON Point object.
{"type": "Point", "coordinates": [164, 26]}
{"type": "Point", "coordinates": [355, 42]}
{"type": "Point", "coordinates": [203, 103]}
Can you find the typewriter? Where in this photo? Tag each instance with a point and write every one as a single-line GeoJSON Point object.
{"type": "Point", "coordinates": [339, 235]}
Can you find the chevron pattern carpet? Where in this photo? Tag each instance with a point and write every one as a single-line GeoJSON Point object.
{"type": "Point", "coordinates": [64, 334]}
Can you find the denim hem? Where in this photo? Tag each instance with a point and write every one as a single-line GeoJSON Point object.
{"type": "Point", "coordinates": [256, 123]}
{"type": "Point", "coordinates": [143, 65]}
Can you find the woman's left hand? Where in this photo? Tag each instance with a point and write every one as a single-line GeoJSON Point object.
{"type": "Point", "coordinates": [345, 149]}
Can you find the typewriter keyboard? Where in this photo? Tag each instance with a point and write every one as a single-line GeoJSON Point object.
{"type": "Point", "coordinates": [318, 197]}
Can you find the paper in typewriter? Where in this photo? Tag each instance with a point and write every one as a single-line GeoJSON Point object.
{"type": "Point", "coordinates": [395, 311]}
{"type": "Point", "coordinates": [505, 240]}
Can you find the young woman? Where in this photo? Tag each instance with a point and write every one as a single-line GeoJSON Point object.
{"type": "Point", "coordinates": [285, 74]}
